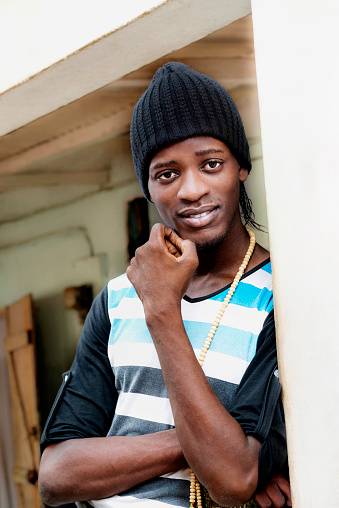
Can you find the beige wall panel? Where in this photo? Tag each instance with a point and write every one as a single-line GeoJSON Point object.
{"type": "Point", "coordinates": [296, 45]}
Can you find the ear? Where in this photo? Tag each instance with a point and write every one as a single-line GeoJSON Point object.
{"type": "Point", "coordinates": [243, 174]}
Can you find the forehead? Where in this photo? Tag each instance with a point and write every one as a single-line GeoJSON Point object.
{"type": "Point", "coordinates": [196, 146]}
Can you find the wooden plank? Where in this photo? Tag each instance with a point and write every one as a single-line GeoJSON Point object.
{"type": "Point", "coordinates": [24, 475]}
{"type": "Point", "coordinates": [23, 398]}
{"type": "Point", "coordinates": [20, 346]}
{"type": "Point", "coordinates": [47, 179]}
{"type": "Point", "coordinates": [115, 124]}
{"type": "Point", "coordinates": [24, 457]}
{"type": "Point", "coordinates": [19, 316]}
{"type": "Point", "coordinates": [17, 341]}
{"type": "Point", "coordinates": [215, 48]}
{"type": "Point", "coordinates": [28, 496]}
{"type": "Point", "coordinates": [218, 68]}
{"type": "Point", "coordinates": [87, 110]}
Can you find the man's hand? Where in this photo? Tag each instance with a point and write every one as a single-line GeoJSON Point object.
{"type": "Point", "coordinates": [162, 268]}
{"type": "Point", "coordinates": [276, 495]}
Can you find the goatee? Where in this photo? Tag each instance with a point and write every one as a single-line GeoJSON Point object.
{"type": "Point", "coordinates": [211, 244]}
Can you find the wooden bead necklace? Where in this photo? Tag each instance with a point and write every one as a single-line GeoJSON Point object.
{"type": "Point", "coordinates": [195, 490]}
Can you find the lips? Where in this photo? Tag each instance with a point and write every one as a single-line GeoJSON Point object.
{"type": "Point", "coordinates": [198, 217]}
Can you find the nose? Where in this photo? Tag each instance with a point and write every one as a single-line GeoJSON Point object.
{"type": "Point", "coordinates": [192, 186]}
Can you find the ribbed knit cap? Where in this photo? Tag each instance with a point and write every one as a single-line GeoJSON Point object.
{"type": "Point", "coordinates": [178, 104]}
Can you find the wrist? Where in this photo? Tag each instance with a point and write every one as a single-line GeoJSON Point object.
{"type": "Point", "coordinates": [162, 314]}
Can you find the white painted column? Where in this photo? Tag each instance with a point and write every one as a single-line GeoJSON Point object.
{"type": "Point", "coordinates": [297, 48]}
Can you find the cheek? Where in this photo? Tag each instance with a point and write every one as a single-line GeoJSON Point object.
{"type": "Point", "coordinates": [230, 189]}
{"type": "Point", "coordinates": [161, 199]}
{"type": "Point", "coordinates": [163, 209]}
{"type": "Point", "coordinates": [165, 215]}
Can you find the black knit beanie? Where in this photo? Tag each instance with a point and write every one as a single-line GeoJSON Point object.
{"type": "Point", "coordinates": [178, 104]}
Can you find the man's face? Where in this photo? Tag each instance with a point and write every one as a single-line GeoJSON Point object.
{"type": "Point", "coordinates": [195, 186]}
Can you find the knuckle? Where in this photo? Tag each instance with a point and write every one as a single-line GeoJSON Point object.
{"type": "Point", "coordinates": [266, 503]}
{"type": "Point", "coordinates": [263, 500]}
{"type": "Point", "coordinates": [139, 253]}
{"type": "Point", "coordinates": [157, 228]}
{"type": "Point", "coordinates": [129, 272]}
{"type": "Point", "coordinates": [278, 501]}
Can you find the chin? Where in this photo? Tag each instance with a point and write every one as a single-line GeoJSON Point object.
{"type": "Point", "coordinates": [210, 243]}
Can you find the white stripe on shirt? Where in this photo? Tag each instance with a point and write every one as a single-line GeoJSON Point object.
{"type": "Point", "coordinates": [145, 407]}
{"type": "Point", "coordinates": [119, 501]}
{"type": "Point", "coordinates": [260, 279]}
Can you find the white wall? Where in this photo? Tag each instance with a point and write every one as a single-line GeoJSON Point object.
{"type": "Point", "coordinates": [297, 46]}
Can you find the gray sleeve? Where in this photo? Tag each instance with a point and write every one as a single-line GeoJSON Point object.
{"type": "Point", "coordinates": [85, 403]}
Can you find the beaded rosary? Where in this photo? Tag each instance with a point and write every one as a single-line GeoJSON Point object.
{"type": "Point", "coordinates": [195, 490]}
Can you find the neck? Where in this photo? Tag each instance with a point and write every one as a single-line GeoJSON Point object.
{"type": "Point", "coordinates": [226, 255]}
{"type": "Point", "coordinates": [218, 265]}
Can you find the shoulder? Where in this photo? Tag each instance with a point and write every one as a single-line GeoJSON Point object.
{"type": "Point", "coordinates": [108, 298]}
{"type": "Point", "coordinates": [117, 289]}
{"type": "Point", "coordinates": [258, 280]}
{"type": "Point", "coordinates": [120, 283]}
{"type": "Point", "coordinates": [120, 292]}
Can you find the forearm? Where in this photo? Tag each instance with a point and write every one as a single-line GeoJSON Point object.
{"type": "Point", "coordinates": [94, 468]}
{"type": "Point", "coordinates": [214, 444]}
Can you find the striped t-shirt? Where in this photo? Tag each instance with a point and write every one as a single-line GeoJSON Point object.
{"type": "Point", "coordinates": [143, 406]}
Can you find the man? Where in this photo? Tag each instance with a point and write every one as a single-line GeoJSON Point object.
{"type": "Point", "coordinates": [137, 408]}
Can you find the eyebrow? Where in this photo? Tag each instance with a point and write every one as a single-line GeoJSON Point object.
{"type": "Point", "coordinates": [209, 150]}
{"type": "Point", "coordinates": [165, 164]}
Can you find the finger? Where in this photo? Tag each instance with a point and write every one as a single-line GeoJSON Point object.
{"type": "Point", "coordinates": [284, 486]}
{"type": "Point", "coordinates": [263, 500]}
{"type": "Point", "coordinates": [186, 249]}
{"type": "Point", "coordinates": [166, 235]}
{"type": "Point", "coordinates": [172, 249]}
{"type": "Point", "coordinates": [275, 494]}
{"type": "Point", "coordinates": [174, 239]}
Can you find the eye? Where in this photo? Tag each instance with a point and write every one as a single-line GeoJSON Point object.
{"type": "Point", "coordinates": [166, 175]}
{"type": "Point", "coordinates": [212, 164]}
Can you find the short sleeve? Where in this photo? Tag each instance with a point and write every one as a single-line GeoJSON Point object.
{"type": "Point", "coordinates": [85, 404]}
{"type": "Point", "coordinates": [257, 405]}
